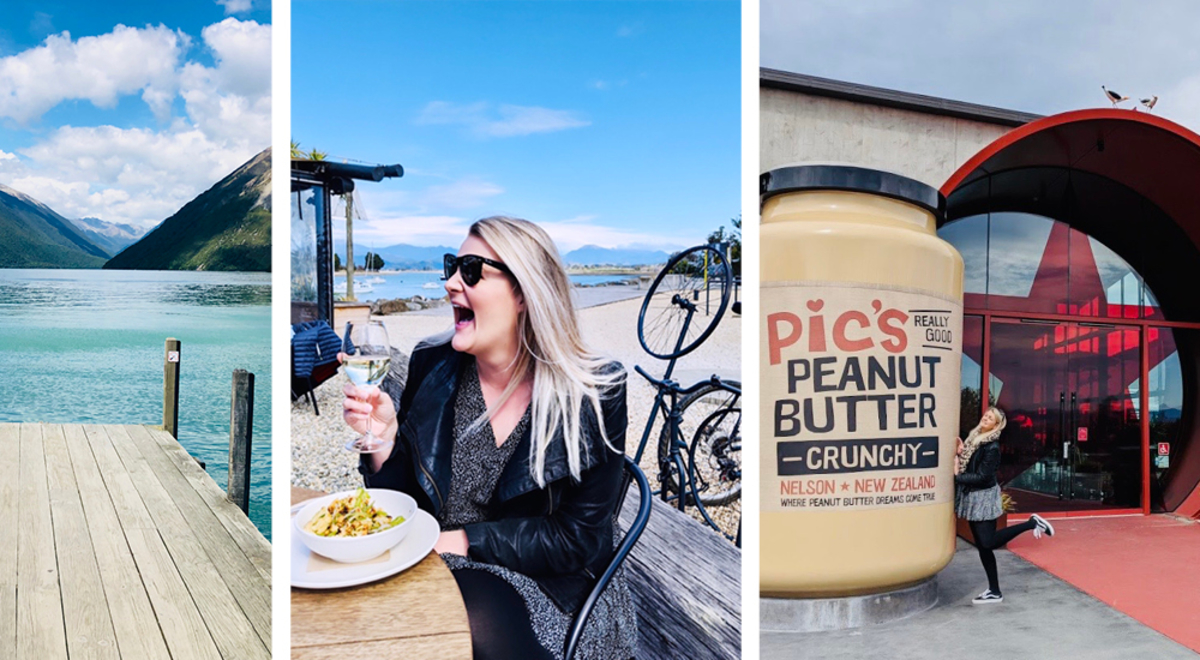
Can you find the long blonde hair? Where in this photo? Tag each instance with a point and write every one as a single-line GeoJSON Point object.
{"type": "Point", "coordinates": [566, 373]}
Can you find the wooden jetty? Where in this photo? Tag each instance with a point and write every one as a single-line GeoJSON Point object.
{"type": "Point", "coordinates": [686, 585]}
{"type": "Point", "coordinates": [114, 543]}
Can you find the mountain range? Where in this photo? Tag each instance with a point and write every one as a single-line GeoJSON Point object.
{"type": "Point", "coordinates": [413, 257]}
{"type": "Point", "coordinates": [112, 237]}
{"type": "Point", "coordinates": [32, 235]}
{"type": "Point", "coordinates": [227, 227]}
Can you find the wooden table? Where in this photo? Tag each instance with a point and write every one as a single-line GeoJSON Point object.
{"type": "Point", "coordinates": [116, 544]}
{"type": "Point", "coordinates": [415, 615]}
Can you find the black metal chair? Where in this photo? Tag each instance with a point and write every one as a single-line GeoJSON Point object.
{"type": "Point", "coordinates": [632, 473]}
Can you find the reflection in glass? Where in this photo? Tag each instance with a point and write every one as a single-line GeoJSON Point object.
{"type": "Point", "coordinates": [971, 408]}
{"type": "Point", "coordinates": [306, 208]}
{"type": "Point", "coordinates": [1165, 397]}
{"type": "Point", "coordinates": [1027, 263]}
{"type": "Point", "coordinates": [1073, 439]}
{"type": "Point", "coordinates": [969, 237]}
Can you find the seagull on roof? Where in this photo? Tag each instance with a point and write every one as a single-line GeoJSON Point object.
{"type": "Point", "coordinates": [1150, 102]}
{"type": "Point", "coordinates": [1113, 96]}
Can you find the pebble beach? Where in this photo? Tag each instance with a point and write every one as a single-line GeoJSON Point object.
{"type": "Point", "coordinates": [610, 328]}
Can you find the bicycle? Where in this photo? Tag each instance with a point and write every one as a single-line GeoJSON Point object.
{"type": "Point", "coordinates": [699, 461]}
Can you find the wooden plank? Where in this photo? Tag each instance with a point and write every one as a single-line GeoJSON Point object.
{"type": "Point", "coordinates": [39, 603]}
{"type": "Point", "coordinates": [686, 585]}
{"type": "Point", "coordinates": [10, 470]}
{"type": "Point", "coordinates": [182, 536]}
{"type": "Point", "coordinates": [181, 623]}
{"type": "Point", "coordinates": [134, 623]}
{"type": "Point", "coordinates": [89, 628]}
{"type": "Point", "coordinates": [452, 646]}
{"type": "Point", "coordinates": [122, 493]}
{"type": "Point", "coordinates": [182, 626]}
{"type": "Point", "coordinates": [244, 533]}
{"type": "Point", "coordinates": [423, 600]}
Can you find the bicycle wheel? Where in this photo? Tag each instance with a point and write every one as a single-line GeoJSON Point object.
{"type": "Point", "coordinates": [684, 303]}
{"type": "Point", "coordinates": [711, 419]}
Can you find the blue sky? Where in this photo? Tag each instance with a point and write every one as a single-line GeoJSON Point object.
{"type": "Point", "coordinates": [127, 110]}
{"type": "Point", "coordinates": [610, 123]}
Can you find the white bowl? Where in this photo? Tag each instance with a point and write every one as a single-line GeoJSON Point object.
{"type": "Point", "coordinates": [352, 549]}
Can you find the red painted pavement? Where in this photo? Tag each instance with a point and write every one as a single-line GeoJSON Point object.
{"type": "Point", "coordinates": [1145, 566]}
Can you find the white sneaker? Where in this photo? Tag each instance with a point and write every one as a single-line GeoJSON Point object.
{"type": "Point", "coordinates": [1043, 526]}
{"type": "Point", "coordinates": [987, 597]}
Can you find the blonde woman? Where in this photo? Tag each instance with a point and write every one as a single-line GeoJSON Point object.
{"type": "Point", "coordinates": [512, 433]}
{"type": "Point", "coordinates": [977, 498]}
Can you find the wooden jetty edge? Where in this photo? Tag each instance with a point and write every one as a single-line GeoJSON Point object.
{"type": "Point", "coordinates": [117, 544]}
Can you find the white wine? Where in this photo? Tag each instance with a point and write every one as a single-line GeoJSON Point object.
{"type": "Point", "coordinates": [366, 369]}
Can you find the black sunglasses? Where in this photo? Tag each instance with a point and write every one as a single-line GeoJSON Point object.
{"type": "Point", "coordinates": [471, 267]}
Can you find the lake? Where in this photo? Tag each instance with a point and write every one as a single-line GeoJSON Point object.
{"type": "Point", "coordinates": [429, 284]}
{"type": "Point", "coordinates": [86, 346]}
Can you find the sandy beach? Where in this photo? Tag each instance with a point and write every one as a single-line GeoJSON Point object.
{"type": "Point", "coordinates": [318, 460]}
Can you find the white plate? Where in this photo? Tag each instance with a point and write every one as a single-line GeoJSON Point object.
{"type": "Point", "coordinates": [412, 549]}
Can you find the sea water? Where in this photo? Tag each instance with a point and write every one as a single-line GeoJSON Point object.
{"type": "Point", "coordinates": [407, 284]}
{"type": "Point", "coordinates": [86, 346]}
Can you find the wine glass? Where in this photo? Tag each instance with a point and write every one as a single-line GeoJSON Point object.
{"type": "Point", "coordinates": [368, 356]}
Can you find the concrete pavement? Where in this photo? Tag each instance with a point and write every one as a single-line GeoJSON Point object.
{"type": "Point", "coordinates": [1041, 617]}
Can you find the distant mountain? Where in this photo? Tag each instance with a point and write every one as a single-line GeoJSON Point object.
{"type": "Point", "coordinates": [400, 256]}
{"type": "Point", "coordinates": [227, 227]}
{"type": "Point", "coordinates": [32, 235]}
{"type": "Point", "coordinates": [413, 257]}
{"type": "Point", "coordinates": [111, 236]}
{"type": "Point", "coordinates": [594, 255]}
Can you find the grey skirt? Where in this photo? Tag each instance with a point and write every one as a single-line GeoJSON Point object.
{"type": "Point", "coordinates": [978, 504]}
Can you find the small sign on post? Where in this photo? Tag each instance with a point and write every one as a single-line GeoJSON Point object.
{"type": "Point", "coordinates": [241, 427]}
{"type": "Point", "coordinates": [1164, 449]}
{"type": "Point", "coordinates": [171, 387]}
{"type": "Point", "coordinates": [1081, 434]}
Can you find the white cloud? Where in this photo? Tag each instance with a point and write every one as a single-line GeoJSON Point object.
{"type": "Point", "coordinates": [605, 85]}
{"type": "Point", "coordinates": [235, 6]}
{"type": "Point", "coordinates": [577, 232]}
{"type": "Point", "coordinates": [142, 175]}
{"type": "Point", "coordinates": [465, 194]}
{"type": "Point", "coordinates": [98, 69]}
{"type": "Point", "coordinates": [505, 121]}
{"type": "Point", "coordinates": [138, 176]}
{"type": "Point", "coordinates": [630, 30]}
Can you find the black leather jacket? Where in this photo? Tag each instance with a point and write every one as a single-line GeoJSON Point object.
{"type": "Point", "coordinates": [980, 472]}
{"type": "Point", "coordinates": [560, 535]}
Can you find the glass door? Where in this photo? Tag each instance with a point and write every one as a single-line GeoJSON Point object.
{"type": "Point", "coordinates": [1073, 438]}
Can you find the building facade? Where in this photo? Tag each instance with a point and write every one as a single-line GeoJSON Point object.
{"type": "Point", "coordinates": [1080, 234]}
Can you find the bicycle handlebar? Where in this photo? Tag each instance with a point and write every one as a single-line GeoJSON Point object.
{"type": "Point", "coordinates": [668, 384]}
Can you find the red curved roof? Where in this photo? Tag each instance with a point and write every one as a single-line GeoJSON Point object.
{"type": "Point", "coordinates": [1154, 156]}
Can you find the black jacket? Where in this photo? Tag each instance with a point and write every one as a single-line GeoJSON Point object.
{"type": "Point", "coordinates": [980, 472]}
{"type": "Point", "coordinates": [560, 535]}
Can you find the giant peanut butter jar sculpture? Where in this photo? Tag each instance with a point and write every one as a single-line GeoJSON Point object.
{"type": "Point", "coordinates": [861, 307]}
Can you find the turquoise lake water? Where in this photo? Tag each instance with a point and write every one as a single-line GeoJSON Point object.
{"type": "Point", "coordinates": [86, 346]}
{"type": "Point", "coordinates": [429, 284]}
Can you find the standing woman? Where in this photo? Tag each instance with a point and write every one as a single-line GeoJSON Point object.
{"type": "Point", "coordinates": [512, 433]}
{"type": "Point", "coordinates": [977, 498]}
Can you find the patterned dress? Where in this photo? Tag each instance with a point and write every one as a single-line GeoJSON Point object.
{"type": "Point", "coordinates": [476, 465]}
